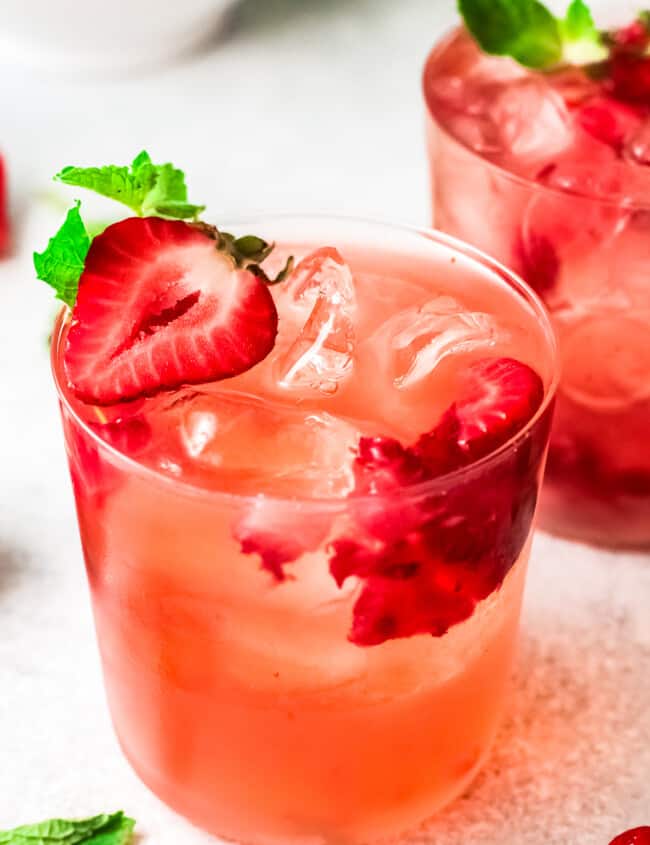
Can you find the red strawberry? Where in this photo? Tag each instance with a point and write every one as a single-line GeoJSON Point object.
{"type": "Point", "coordinates": [608, 120]}
{"type": "Point", "coordinates": [637, 836]}
{"type": "Point", "coordinates": [496, 398]}
{"type": "Point", "coordinates": [426, 562]}
{"type": "Point", "coordinates": [630, 77]}
{"type": "Point", "coordinates": [279, 535]}
{"type": "Point", "coordinates": [91, 472]}
{"type": "Point", "coordinates": [4, 217]}
{"type": "Point", "coordinates": [538, 261]}
{"type": "Point", "coordinates": [632, 37]}
{"type": "Point", "coordinates": [160, 306]}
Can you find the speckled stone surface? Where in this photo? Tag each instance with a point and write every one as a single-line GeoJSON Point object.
{"type": "Point", "coordinates": [312, 106]}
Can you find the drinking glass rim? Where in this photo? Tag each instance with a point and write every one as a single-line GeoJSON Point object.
{"type": "Point", "coordinates": [528, 182]}
{"type": "Point", "coordinates": [330, 503]}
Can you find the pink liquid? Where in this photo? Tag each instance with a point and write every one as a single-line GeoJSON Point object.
{"type": "Point", "coordinates": [534, 170]}
{"type": "Point", "coordinates": [242, 701]}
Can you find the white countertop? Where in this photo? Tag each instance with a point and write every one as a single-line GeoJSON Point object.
{"type": "Point", "coordinates": [318, 109]}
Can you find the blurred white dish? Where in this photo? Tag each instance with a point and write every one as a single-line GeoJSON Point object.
{"type": "Point", "coordinates": [104, 35]}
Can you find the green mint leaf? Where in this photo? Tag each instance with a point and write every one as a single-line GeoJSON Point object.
{"type": "Point", "coordinates": [127, 185]}
{"type": "Point", "coordinates": [523, 29]}
{"type": "Point", "coordinates": [582, 42]}
{"type": "Point", "coordinates": [105, 829]}
{"type": "Point", "coordinates": [144, 187]}
{"type": "Point", "coordinates": [579, 22]}
{"type": "Point", "coordinates": [62, 262]}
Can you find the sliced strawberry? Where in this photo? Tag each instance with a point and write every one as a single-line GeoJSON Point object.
{"type": "Point", "coordinates": [160, 306]}
{"type": "Point", "coordinates": [636, 836]}
{"type": "Point", "coordinates": [632, 37]}
{"type": "Point", "coordinates": [608, 120]}
{"type": "Point", "coordinates": [426, 561]}
{"type": "Point", "coordinates": [497, 397]}
{"type": "Point", "coordinates": [630, 77]}
{"type": "Point", "coordinates": [538, 261]}
{"type": "Point", "coordinates": [276, 533]}
{"type": "Point", "coordinates": [92, 475]}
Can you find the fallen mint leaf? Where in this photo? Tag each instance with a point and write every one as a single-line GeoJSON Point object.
{"type": "Point", "coordinates": [105, 829]}
{"type": "Point", "coordinates": [62, 262]}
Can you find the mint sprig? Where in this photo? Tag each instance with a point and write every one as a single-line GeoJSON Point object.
{"type": "Point", "coordinates": [61, 264]}
{"type": "Point", "coordinates": [146, 188]}
{"type": "Point", "coordinates": [105, 829]}
{"type": "Point", "coordinates": [530, 33]}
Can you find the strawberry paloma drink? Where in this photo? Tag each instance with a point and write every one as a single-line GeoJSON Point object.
{"type": "Point", "coordinates": [305, 479]}
{"type": "Point", "coordinates": [547, 167]}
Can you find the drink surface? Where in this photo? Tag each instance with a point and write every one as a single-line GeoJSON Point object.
{"type": "Point", "coordinates": [368, 347]}
{"type": "Point", "coordinates": [254, 683]}
{"type": "Point", "coordinates": [549, 173]}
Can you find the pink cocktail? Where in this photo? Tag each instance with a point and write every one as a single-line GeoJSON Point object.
{"type": "Point", "coordinates": [549, 172]}
{"type": "Point", "coordinates": [307, 579]}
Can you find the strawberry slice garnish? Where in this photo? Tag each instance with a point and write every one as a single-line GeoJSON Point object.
{"type": "Point", "coordinates": [161, 304]}
{"type": "Point", "coordinates": [497, 397]}
{"type": "Point", "coordinates": [636, 836]}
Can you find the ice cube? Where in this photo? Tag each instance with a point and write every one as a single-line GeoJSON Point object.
{"type": "Point", "coordinates": [421, 337]}
{"type": "Point", "coordinates": [321, 273]}
{"type": "Point", "coordinates": [246, 444]}
{"type": "Point", "coordinates": [533, 120]}
{"type": "Point", "coordinates": [628, 263]}
{"type": "Point", "coordinates": [322, 354]}
{"type": "Point", "coordinates": [606, 358]}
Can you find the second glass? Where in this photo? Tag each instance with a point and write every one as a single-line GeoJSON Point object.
{"type": "Point", "coordinates": [569, 215]}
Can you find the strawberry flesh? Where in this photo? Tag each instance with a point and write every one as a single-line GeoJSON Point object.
{"type": "Point", "coordinates": [278, 535]}
{"type": "Point", "coordinates": [425, 561]}
{"type": "Point", "coordinates": [4, 215]}
{"type": "Point", "coordinates": [636, 836]}
{"type": "Point", "coordinates": [538, 262]}
{"type": "Point", "coordinates": [497, 397]}
{"type": "Point", "coordinates": [608, 120]}
{"type": "Point", "coordinates": [630, 77]}
{"type": "Point", "coordinates": [160, 306]}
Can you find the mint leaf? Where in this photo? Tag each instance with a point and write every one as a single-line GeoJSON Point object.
{"type": "Point", "coordinates": [144, 187]}
{"type": "Point", "coordinates": [62, 262]}
{"type": "Point", "coordinates": [105, 829]}
{"type": "Point", "coordinates": [579, 22]}
{"type": "Point", "coordinates": [127, 185]}
{"type": "Point", "coordinates": [582, 42]}
{"type": "Point", "coordinates": [523, 29]}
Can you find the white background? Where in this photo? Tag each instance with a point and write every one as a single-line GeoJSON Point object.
{"type": "Point", "coordinates": [315, 106]}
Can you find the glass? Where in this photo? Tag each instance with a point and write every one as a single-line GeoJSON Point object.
{"type": "Point", "coordinates": [586, 255]}
{"type": "Point", "coordinates": [241, 702]}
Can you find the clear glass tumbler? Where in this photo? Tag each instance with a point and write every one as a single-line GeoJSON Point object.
{"type": "Point", "coordinates": [244, 701]}
{"type": "Point", "coordinates": [586, 254]}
